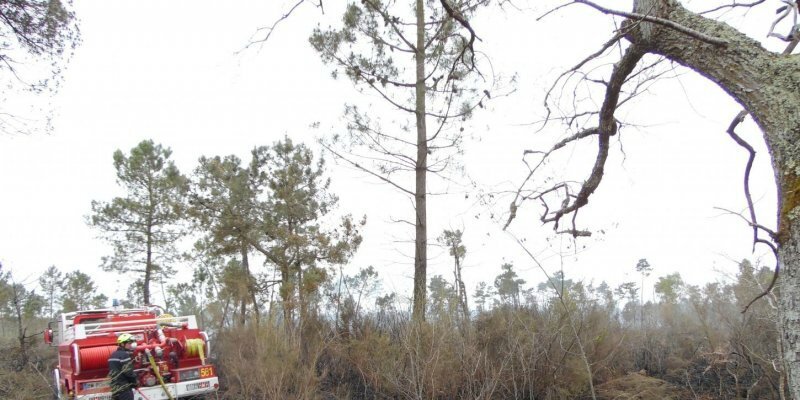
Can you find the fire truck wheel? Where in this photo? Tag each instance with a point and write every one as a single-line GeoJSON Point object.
{"type": "Point", "coordinates": [55, 386]}
{"type": "Point", "coordinates": [57, 396]}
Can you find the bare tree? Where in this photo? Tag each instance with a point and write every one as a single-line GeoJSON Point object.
{"type": "Point", "coordinates": [20, 305]}
{"type": "Point", "coordinates": [763, 82]}
{"type": "Point", "coordinates": [454, 243]}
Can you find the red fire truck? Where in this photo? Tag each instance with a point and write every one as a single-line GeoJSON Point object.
{"type": "Point", "coordinates": [170, 359]}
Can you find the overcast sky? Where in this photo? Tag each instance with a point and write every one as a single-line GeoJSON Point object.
{"type": "Point", "coordinates": [176, 72]}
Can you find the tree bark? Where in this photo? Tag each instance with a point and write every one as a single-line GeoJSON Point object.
{"type": "Point", "coordinates": [286, 292]}
{"type": "Point", "coordinates": [461, 290]}
{"type": "Point", "coordinates": [420, 198]}
{"type": "Point", "coordinates": [242, 311]}
{"type": "Point", "coordinates": [148, 267]}
{"type": "Point", "coordinates": [303, 316]}
{"type": "Point", "coordinates": [251, 285]}
{"type": "Point", "coordinates": [789, 307]}
{"type": "Point", "coordinates": [767, 85]}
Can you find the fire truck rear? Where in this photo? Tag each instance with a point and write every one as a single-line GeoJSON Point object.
{"type": "Point", "coordinates": [170, 359]}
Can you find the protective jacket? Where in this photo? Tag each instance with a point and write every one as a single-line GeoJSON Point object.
{"type": "Point", "coordinates": [120, 371]}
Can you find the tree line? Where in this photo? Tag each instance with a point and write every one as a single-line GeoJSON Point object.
{"type": "Point", "coordinates": [556, 338]}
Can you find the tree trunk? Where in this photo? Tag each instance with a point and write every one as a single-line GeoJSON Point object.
{"type": "Point", "coordinates": [243, 296]}
{"type": "Point", "coordinates": [286, 291]}
{"type": "Point", "coordinates": [149, 224]}
{"type": "Point", "coordinates": [789, 307]}
{"type": "Point", "coordinates": [251, 284]}
{"type": "Point", "coordinates": [300, 297]}
{"type": "Point", "coordinates": [148, 268]}
{"type": "Point", "coordinates": [461, 290]}
{"type": "Point", "coordinates": [224, 315]}
{"type": "Point", "coordinates": [767, 85]}
{"type": "Point", "coordinates": [242, 310]}
{"type": "Point", "coordinates": [302, 320]}
{"type": "Point", "coordinates": [420, 198]}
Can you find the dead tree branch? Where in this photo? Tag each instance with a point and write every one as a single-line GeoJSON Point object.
{"type": "Point", "coordinates": [268, 30]}
{"type": "Point", "coordinates": [660, 21]}
{"type": "Point", "coordinates": [753, 221]}
{"type": "Point", "coordinates": [606, 128]}
{"type": "Point", "coordinates": [454, 14]}
{"type": "Point", "coordinates": [749, 223]}
{"type": "Point", "coordinates": [367, 170]}
{"type": "Point", "coordinates": [751, 157]}
{"type": "Point", "coordinates": [794, 40]}
{"type": "Point", "coordinates": [733, 5]}
{"type": "Point", "coordinates": [790, 8]}
{"type": "Point", "coordinates": [614, 39]}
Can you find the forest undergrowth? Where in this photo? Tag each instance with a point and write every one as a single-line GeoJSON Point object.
{"type": "Point", "coordinates": [560, 340]}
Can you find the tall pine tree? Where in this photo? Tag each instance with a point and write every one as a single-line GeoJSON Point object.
{"type": "Point", "coordinates": [142, 226]}
{"type": "Point", "coordinates": [224, 205]}
{"type": "Point", "coordinates": [417, 56]}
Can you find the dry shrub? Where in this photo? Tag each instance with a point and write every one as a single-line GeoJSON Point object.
{"type": "Point", "coordinates": [536, 351]}
{"type": "Point", "coordinates": [263, 363]}
{"type": "Point", "coordinates": [410, 361]}
{"type": "Point", "coordinates": [635, 386]}
{"type": "Point", "coordinates": [25, 381]}
{"type": "Point", "coordinates": [506, 354]}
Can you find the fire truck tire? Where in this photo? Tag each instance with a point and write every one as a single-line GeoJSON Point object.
{"type": "Point", "coordinates": [57, 396]}
{"type": "Point", "coordinates": [54, 393]}
{"type": "Point", "coordinates": [56, 386]}
{"type": "Point", "coordinates": [61, 397]}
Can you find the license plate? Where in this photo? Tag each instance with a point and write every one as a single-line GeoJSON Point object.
{"type": "Point", "coordinates": [198, 385]}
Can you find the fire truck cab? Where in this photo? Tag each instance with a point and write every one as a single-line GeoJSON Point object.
{"type": "Point", "coordinates": [170, 359]}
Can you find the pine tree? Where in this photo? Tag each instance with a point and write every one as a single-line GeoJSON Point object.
{"type": "Point", "coordinates": [294, 217]}
{"type": "Point", "coordinates": [79, 292]}
{"type": "Point", "coordinates": [420, 59]}
{"type": "Point", "coordinates": [50, 282]}
{"type": "Point", "coordinates": [142, 227]}
{"type": "Point", "coordinates": [224, 205]}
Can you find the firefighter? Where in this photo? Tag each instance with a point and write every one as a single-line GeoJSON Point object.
{"type": "Point", "coordinates": [120, 368]}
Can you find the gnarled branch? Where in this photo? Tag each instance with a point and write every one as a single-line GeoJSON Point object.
{"type": "Point", "coordinates": [607, 127]}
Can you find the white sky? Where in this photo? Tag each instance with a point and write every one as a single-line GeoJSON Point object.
{"type": "Point", "coordinates": [170, 71]}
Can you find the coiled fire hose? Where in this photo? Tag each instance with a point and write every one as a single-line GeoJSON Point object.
{"type": "Point", "coordinates": [156, 371]}
{"type": "Point", "coordinates": [196, 347]}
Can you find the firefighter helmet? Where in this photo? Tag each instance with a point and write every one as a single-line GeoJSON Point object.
{"type": "Point", "coordinates": [125, 338]}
